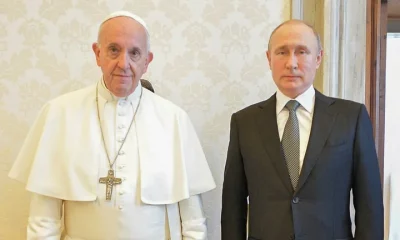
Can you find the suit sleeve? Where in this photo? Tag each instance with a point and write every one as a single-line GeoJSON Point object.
{"type": "Point", "coordinates": [367, 190]}
{"type": "Point", "coordinates": [234, 192]}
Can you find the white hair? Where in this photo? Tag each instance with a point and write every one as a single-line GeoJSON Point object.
{"type": "Point", "coordinates": [130, 15]}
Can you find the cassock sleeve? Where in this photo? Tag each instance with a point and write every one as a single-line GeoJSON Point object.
{"type": "Point", "coordinates": [193, 220]}
{"type": "Point", "coordinates": [44, 222]}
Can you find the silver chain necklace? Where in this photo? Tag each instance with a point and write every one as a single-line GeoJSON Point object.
{"type": "Point", "coordinates": [111, 180]}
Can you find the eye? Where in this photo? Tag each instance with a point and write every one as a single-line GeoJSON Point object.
{"type": "Point", "coordinates": [113, 51]}
{"type": "Point", "coordinates": [303, 51]}
{"type": "Point", "coordinates": [135, 54]}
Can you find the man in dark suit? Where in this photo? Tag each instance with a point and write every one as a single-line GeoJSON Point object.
{"type": "Point", "coordinates": [298, 155]}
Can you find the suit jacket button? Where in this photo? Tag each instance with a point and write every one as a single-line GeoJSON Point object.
{"type": "Point", "coordinates": [295, 200]}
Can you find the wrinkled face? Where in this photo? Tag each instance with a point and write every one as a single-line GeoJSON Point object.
{"type": "Point", "coordinates": [294, 58]}
{"type": "Point", "coordinates": [122, 54]}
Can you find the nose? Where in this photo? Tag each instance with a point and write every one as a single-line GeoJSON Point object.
{"type": "Point", "coordinates": [124, 61]}
{"type": "Point", "coordinates": [292, 61]}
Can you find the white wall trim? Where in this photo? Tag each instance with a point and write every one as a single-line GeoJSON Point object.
{"type": "Point", "coordinates": [332, 48]}
{"type": "Point", "coordinates": [343, 45]}
{"type": "Point", "coordinates": [344, 41]}
{"type": "Point", "coordinates": [297, 9]}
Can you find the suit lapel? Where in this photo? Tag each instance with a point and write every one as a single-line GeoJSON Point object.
{"type": "Point", "coordinates": [321, 127]}
{"type": "Point", "coordinates": [268, 129]}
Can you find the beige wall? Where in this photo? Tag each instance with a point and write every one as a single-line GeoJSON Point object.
{"type": "Point", "coordinates": [209, 59]}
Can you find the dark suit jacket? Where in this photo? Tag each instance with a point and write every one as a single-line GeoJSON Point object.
{"type": "Point", "coordinates": [340, 157]}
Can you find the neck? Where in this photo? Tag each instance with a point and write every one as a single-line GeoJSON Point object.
{"type": "Point", "coordinates": [121, 94]}
{"type": "Point", "coordinates": [110, 96]}
{"type": "Point", "coordinates": [295, 93]}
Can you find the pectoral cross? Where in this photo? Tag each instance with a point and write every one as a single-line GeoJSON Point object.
{"type": "Point", "coordinates": [110, 181]}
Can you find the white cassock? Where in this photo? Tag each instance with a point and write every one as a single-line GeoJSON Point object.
{"type": "Point", "coordinates": [162, 167]}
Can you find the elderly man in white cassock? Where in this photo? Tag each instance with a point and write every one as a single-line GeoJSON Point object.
{"type": "Point", "coordinates": [114, 160]}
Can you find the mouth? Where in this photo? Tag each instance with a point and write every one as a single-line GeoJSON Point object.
{"type": "Point", "coordinates": [122, 76]}
{"type": "Point", "coordinates": [291, 76]}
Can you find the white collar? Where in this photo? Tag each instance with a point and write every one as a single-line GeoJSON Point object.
{"type": "Point", "coordinates": [109, 97]}
{"type": "Point", "coordinates": [306, 100]}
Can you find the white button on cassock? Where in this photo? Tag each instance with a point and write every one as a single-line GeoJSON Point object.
{"type": "Point", "coordinates": [121, 166]}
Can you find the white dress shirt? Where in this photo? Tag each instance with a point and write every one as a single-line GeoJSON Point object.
{"type": "Point", "coordinates": [304, 115]}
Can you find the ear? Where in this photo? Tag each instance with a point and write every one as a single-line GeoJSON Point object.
{"type": "Point", "coordinates": [96, 50]}
{"type": "Point", "coordinates": [148, 61]}
{"type": "Point", "coordinates": [268, 53]}
{"type": "Point", "coordinates": [319, 58]}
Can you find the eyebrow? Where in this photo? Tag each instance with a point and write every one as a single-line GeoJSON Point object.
{"type": "Point", "coordinates": [135, 49]}
{"type": "Point", "coordinates": [284, 47]}
{"type": "Point", "coordinates": [130, 50]}
{"type": "Point", "coordinates": [112, 45]}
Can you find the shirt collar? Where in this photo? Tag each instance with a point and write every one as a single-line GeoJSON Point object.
{"type": "Point", "coordinates": [110, 97]}
{"type": "Point", "coordinates": [305, 99]}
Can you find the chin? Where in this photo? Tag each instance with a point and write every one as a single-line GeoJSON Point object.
{"type": "Point", "coordinates": [291, 86]}
{"type": "Point", "coordinates": [121, 88]}
{"type": "Point", "coordinates": [123, 81]}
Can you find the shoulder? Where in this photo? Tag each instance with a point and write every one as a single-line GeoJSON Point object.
{"type": "Point", "coordinates": [254, 109]}
{"type": "Point", "coordinates": [340, 105]}
{"type": "Point", "coordinates": [73, 99]}
{"type": "Point", "coordinates": [251, 108]}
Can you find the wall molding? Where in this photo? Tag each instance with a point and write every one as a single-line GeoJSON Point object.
{"type": "Point", "coordinates": [342, 26]}
{"type": "Point", "coordinates": [332, 86]}
{"type": "Point", "coordinates": [297, 9]}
